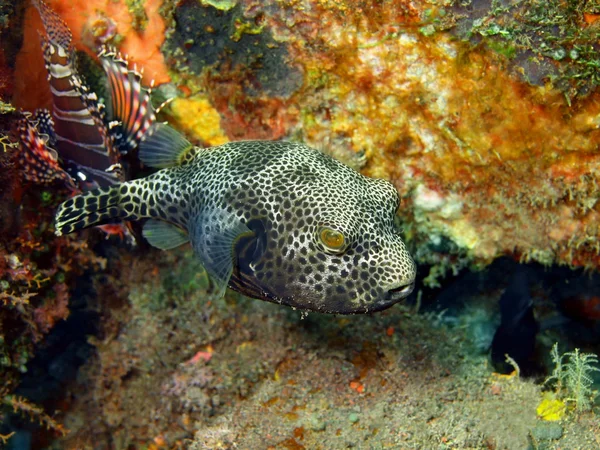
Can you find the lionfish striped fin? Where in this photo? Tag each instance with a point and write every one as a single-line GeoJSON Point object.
{"type": "Point", "coordinates": [38, 161]}
{"type": "Point", "coordinates": [130, 104]}
{"type": "Point", "coordinates": [81, 135]}
{"type": "Point", "coordinates": [57, 30]}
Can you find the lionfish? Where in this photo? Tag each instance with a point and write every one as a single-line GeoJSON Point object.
{"type": "Point", "coordinates": [80, 143]}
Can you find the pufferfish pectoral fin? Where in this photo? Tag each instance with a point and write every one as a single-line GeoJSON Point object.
{"type": "Point", "coordinates": [214, 244]}
{"type": "Point", "coordinates": [164, 235]}
{"type": "Point", "coordinates": [162, 146]}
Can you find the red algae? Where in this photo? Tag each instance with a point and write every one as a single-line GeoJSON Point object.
{"type": "Point", "coordinates": [91, 23]}
{"type": "Point", "coordinates": [141, 45]}
{"type": "Point", "coordinates": [31, 88]}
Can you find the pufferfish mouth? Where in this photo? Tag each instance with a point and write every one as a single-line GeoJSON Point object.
{"type": "Point", "coordinates": [401, 291]}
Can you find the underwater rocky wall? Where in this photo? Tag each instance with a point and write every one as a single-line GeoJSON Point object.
{"type": "Point", "coordinates": [483, 114]}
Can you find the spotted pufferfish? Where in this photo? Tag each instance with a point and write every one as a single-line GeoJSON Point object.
{"type": "Point", "coordinates": [277, 221]}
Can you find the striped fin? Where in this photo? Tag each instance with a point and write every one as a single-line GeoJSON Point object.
{"type": "Point", "coordinates": [130, 104]}
{"type": "Point", "coordinates": [81, 135]}
{"type": "Point", "coordinates": [39, 162]}
{"type": "Point", "coordinates": [57, 30]}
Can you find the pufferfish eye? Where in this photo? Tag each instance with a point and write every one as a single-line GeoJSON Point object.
{"type": "Point", "coordinates": [333, 240]}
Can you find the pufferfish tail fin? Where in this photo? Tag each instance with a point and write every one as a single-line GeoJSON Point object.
{"type": "Point", "coordinates": [103, 205]}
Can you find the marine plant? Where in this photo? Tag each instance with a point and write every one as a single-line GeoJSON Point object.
{"type": "Point", "coordinates": [37, 273]}
{"type": "Point", "coordinates": [33, 412]}
{"type": "Point", "coordinates": [550, 39]}
{"type": "Point", "coordinates": [572, 376]}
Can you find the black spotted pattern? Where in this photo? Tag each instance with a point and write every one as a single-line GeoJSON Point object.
{"type": "Point", "coordinates": [292, 190]}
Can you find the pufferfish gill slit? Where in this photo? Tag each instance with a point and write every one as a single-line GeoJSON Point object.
{"type": "Point", "coordinates": [277, 221]}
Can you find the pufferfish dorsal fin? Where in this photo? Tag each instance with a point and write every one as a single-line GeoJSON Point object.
{"type": "Point", "coordinates": [162, 147]}
{"type": "Point", "coordinates": [214, 245]}
{"type": "Point", "coordinates": [164, 235]}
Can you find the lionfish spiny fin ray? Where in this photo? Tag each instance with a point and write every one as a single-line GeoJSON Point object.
{"type": "Point", "coordinates": [82, 138]}
{"type": "Point", "coordinates": [130, 103]}
{"type": "Point", "coordinates": [39, 161]}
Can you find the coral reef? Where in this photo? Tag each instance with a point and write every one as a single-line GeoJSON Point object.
{"type": "Point", "coordinates": [205, 37]}
{"type": "Point", "coordinates": [484, 115]}
{"type": "Point", "coordinates": [465, 142]}
{"type": "Point", "coordinates": [37, 271]}
{"type": "Point", "coordinates": [493, 154]}
{"type": "Point", "coordinates": [545, 41]}
{"type": "Point", "coordinates": [198, 119]}
{"type": "Point", "coordinates": [35, 413]}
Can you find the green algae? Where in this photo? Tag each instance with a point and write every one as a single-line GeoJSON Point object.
{"type": "Point", "coordinates": [223, 5]}
{"type": "Point", "coordinates": [6, 108]}
{"type": "Point", "coordinates": [177, 289]}
{"type": "Point", "coordinates": [230, 45]}
{"type": "Point", "coordinates": [138, 14]}
{"type": "Point", "coordinates": [547, 40]}
{"type": "Point", "coordinates": [244, 27]}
